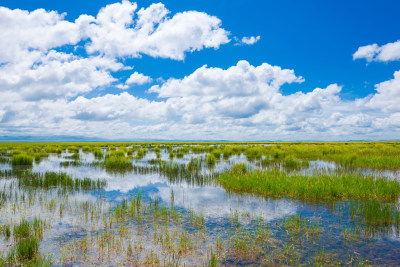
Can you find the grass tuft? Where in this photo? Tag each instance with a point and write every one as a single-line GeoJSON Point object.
{"type": "Point", "coordinates": [22, 159]}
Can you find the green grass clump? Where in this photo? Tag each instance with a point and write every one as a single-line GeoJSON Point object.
{"type": "Point", "coordinates": [239, 169]}
{"type": "Point", "coordinates": [375, 216]}
{"type": "Point", "coordinates": [294, 163]}
{"type": "Point", "coordinates": [274, 183]}
{"type": "Point", "coordinates": [27, 249]}
{"type": "Point", "coordinates": [210, 159]}
{"type": "Point", "coordinates": [73, 149]}
{"type": "Point", "coordinates": [22, 159]}
{"type": "Point", "coordinates": [22, 230]}
{"type": "Point", "coordinates": [6, 231]}
{"type": "Point", "coordinates": [141, 153]}
{"type": "Point", "coordinates": [86, 149]}
{"type": "Point", "coordinates": [115, 162]}
{"type": "Point", "coordinates": [74, 156]}
{"type": "Point", "coordinates": [98, 153]}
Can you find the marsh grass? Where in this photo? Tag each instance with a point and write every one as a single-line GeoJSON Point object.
{"type": "Point", "coordinates": [48, 180]}
{"type": "Point", "coordinates": [74, 156]}
{"type": "Point", "coordinates": [27, 249]}
{"type": "Point", "coordinates": [6, 231]}
{"type": "Point", "coordinates": [274, 183]}
{"type": "Point", "coordinates": [73, 149]}
{"type": "Point", "coordinates": [22, 230]}
{"type": "Point", "coordinates": [293, 163]}
{"type": "Point", "coordinates": [374, 218]}
{"type": "Point", "coordinates": [211, 159]}
{"type": "Point", "coordinates": [98, 153]}
{"type": "Point", "coordinates": [118, 162]}
{"type": "Point", "coordinates": [22, 159]}
{"type": "Point", "coordinates": [119, 234]}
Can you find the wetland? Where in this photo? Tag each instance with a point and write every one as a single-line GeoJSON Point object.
{"type": "Point", "coordinates": [200, 204]}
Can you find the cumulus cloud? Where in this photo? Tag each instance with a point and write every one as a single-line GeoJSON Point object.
{"type": "Point", "coordinates": [45, 91]}
{"type": "Point", "coordinates": [138, 78]}
{"type": "Point", "coordinates": [115, 32]}
{"type": "Point", "coordinates": [30, 64]}
{"type": "Point", "coordinates": [240, 80]}
{"type": "Point", "coordinates": [21, 31]}
{"type": "Point", "coordinates": [56, 74]}
{"type": "Point", "coordinates": [208, 104]}
{"type": "Point", "coordinates": [248, 40]}
{"type": "Point", "coordinates": [117, 107]}
{"type": "Point", "coordinates": [374, 52]}
{"type": "Point", "coordinates": [388, 95]}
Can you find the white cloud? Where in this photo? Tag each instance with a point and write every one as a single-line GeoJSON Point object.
{"type": "Point", "coordinates": [138, 78]}
{"type": "Point", "coordinates": [117, 107]}
{"type": "Point", "coordinates": [387, 97]}
{"type": "Point", "coordinates": [248, 40]}
{"type": "Point", "coordinates": [208, 104]}
{"type": "Point", "coordinates": [39, 30]}
{"type": "Point", "coordinates": [115, 33]}
{"type": "Point", "coordinates": [56, 74]}
{"type": "Point", "coordinates": [384, 53]}
{"type": "Point", "coordinates": [44, 91]}
{"type": "Point", "coordinates": [240, 80]}
{"type": "Point", "coordinates": [30, 65]}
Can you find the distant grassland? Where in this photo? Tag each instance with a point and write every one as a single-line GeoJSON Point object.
{"type": "Point", "coordinates": [374, 155]}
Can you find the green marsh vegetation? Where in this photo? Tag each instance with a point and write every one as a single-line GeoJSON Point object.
{"type": "Point", "coordinates": [50, 180]}
{"type": "Point", "coordinates": [275, 183]}
{"type": "Point", "coordinates": [21, 159]}
{"type": "Point", "coordinates": [116, 160]}
{"type": "Point", "coordinates": [27, 237]}
{"type": "Point", "coordinates": [352, 204]}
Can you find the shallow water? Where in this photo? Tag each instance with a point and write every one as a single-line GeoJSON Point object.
{"type": "Point", "coordinates": [69, 224]}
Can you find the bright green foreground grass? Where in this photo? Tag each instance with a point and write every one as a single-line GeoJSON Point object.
{"type": "Point", "coordinates": [274, 183]}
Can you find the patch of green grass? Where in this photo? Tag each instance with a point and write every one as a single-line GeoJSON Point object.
{"type": "Point", "coordinates": [6, 231]}
{"type": "Point", "coordinates": [293, 163]}
{"type": "Point", "coordinates": [118, 162]}
{"type": "Point", "coordinates": [375, 217]}
{"type": "Point", "coordinates": [210, 159]}
{"type": "Point", "coordinates": [22, 159]}
{"type": "Point", "coordinates": [274, 183]}
{"type": "Point", "coordinates": [50, 180]}
{"type": "Point", "coordinates": [22, 230]}
{"type": "Point", "coordinates": [98, 153]}
{"type": "Point", "coordinates": [73, 149]}
{"type": "Point", "coordinates": [27, 249]}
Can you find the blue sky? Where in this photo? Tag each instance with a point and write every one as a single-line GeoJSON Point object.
{"type": "Point", "coordinates": [315, 39]}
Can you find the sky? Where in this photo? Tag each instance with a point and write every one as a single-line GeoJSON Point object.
{"type": "Point", "coordinates": [201, 70]}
